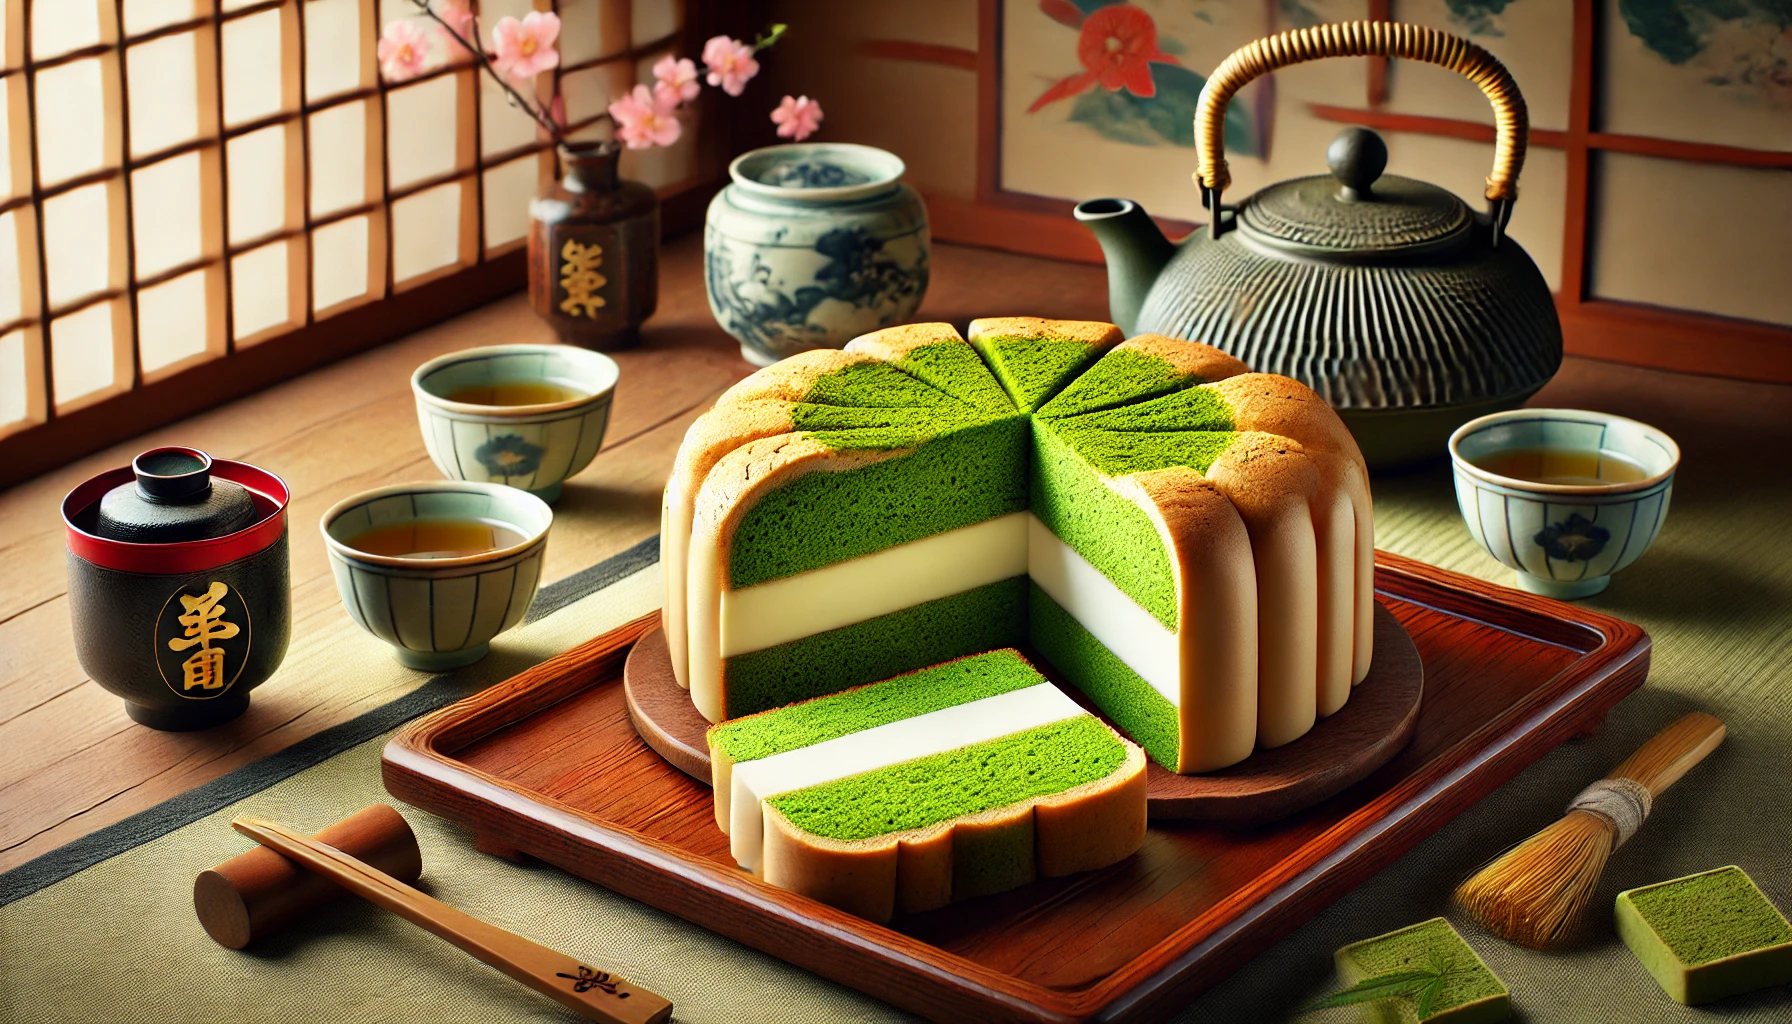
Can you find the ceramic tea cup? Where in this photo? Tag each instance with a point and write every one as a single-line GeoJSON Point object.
{"type": "Point", "coordinates": [1565, 540]}
{"type": "Point", "coordinates": [438, 610]}
{"type": "Point", "coordinates": [527, 416]}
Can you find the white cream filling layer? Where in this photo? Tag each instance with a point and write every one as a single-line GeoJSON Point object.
{"type": "Point", "coordinates": [1121, 624]}
{"type": "Point", "coordinates": [842, 594]}
{"type": "Point", "coordinates": [782, 610]}
{"type": "Point", "coordinates": [856, 753]}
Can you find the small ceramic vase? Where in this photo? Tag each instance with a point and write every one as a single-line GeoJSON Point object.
{"type": "Point", "coordinates": [594, 251]}
{"type": "Point", "coordinates": [813, 245]}
{"type": "Point", "coordinates": [178, 584]}
{"type": "Point", "coordinates": [1564, 540]}
{"type": "Point", "coordinates": [531, 447]}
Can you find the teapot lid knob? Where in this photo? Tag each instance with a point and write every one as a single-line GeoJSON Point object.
{"type": "Point", "coordinates": [1357, 157]}
{"type": "Point", "coordinates": [173, 474]}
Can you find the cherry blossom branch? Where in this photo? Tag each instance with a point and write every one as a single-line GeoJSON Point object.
{"type": "Point", "coordinates": [641, 117]}
{"type": "Point", "coordinates": [514, 98]}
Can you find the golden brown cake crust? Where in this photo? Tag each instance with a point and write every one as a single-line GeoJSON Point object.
{"type": "Point", "coordinates": [1090, 332]}
{"type": "Point", "coordinates": [1217, 608]}
{"type": "Point", "coordinates": [711, 437]}
{"type": "Point", "coordinates": [1281, 405]}
{"type": "Point", "coordinates": [1190, 358]}
{"type": "Point", "coordinates": [766, 464]}
{"type": "Point", "coordinates": [1091, 826]}
{"type": "Point", "coordinates": [725, 428]}
{"type": "Point", "coordinates": [790, 379]}
{"type": "Point", "coordinates": [893, 343]}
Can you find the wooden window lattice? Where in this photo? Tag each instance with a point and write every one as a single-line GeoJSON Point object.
{"type": "Point", "coordinates": [141, 299]}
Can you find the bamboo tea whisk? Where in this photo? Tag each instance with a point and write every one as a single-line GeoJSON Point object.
{"type": "Point", "coordinates": [1535, 893]}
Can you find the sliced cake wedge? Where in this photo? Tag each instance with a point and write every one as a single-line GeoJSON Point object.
{"type": "Point", "coordinates": [1035, 358]}
{"type": "Point", "coordinates": [958, 780]}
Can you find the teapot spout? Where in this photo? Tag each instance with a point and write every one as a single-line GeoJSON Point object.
{"type": "Point", "coordinates": [1136, 251]}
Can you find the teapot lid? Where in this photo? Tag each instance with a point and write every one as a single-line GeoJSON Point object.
{"type": "Point", "coordinates": [1356, 209]}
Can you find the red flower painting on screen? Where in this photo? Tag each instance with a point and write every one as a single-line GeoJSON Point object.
{"type": "Point", "coordinates": [1117, 46]}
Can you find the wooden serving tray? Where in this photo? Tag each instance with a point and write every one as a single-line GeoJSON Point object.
{"type": "Point", "coordinates": [1339, 750]}
{"type": "Point", "coordinates": [547, 764]}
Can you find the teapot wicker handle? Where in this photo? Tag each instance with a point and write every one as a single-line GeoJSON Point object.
{"type": "Point", "coordinates": [1365, 39]}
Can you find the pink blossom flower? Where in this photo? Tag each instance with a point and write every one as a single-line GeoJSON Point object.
{"type": "Point", "coordinates": [526, 48]}
{"type": "Point", "coordinates": [730, 63]}
{"type": "Point", "coordinates": [642, 121]}
{"type": "Point", "coordinates": [457, 15]}
{"type": "Point", "coordinates": [675, 80]}
{"type": "Point", "coordinates": [797, 117]}
{"type": "Point", "coordinates": [403, 50]}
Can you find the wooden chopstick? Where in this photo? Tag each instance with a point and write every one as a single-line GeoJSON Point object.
{"type": "Point", "coordinates": [599, 995]}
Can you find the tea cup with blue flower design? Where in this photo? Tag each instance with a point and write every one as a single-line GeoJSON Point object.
{"type": "Point", "coordinates": [1566, 497]}
{"type": "Point", "coordinates": [527, 416]}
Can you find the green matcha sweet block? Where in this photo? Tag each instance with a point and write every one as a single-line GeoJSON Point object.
{"type": "Point", "coordinates": [846, 516]}
{"type": "Point", "coordinates": [1707, 936]}
{"type": "Point", "coordinates": [1470, 993]}
{"type": "Point", "coordinates": [915, 791]}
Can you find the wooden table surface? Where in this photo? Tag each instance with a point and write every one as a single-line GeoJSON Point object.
{"type": "Point", "coordinates": [72, 762]}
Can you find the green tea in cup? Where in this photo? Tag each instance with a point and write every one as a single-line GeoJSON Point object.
{"type": "Point", "coordinates": [516, 392]}
{"type": "Point", "coordinates": [436, 538]}
{"type": "Point", "coordinates": [1563, 466]}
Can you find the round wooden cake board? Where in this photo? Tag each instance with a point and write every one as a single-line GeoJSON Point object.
{"type": "Point", "coordinates": [1345, 748]}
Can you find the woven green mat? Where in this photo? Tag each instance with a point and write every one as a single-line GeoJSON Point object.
{"type": "Point", "coordinates": [118, 941]}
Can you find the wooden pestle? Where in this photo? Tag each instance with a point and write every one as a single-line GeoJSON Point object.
{"type": "Point", "coordinates": [260, 892]}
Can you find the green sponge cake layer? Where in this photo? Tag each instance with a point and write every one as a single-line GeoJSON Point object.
{"type": "Point", "coordinates": [1040, 761]}
{"type": "Point", "coordinates": [1194, 409]}
{"type": "Point", "coordinates": [988, 617]}
{"type": "Point", "coordinates": [959, 681]}
{"type": "Point", "coordinates": [1033, 369]}
{"type": "Point", "coordinates": [952, 368]}
{"type": "Point", "coordinates": [1471, 994]}
{"type": "Point", "coordinates": [1144, 714]}
{"type": "Point", "coordinates": [876, 385]}
{"type": "Point", "coordinates": [1707, 936]}
{"type": "Point", "coordinates": [966, 474]}
{"type": "Point", "coordinates": [1121, 377]}
{"type": "Point", "coordinates": [1140, 369]}
{"type": "Point", "coordinates": [1034, 359]}
{"type": "Point", "coordinates": [953, 781]}
{"type": "Point", "coordinates": [1114, 534]}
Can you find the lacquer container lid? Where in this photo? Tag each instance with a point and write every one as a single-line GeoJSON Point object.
{"type": "Point", "coordinates": [175, 479]}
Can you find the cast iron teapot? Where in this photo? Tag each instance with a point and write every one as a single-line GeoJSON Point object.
{"type": "Point", "coordinates": [1409, 312]}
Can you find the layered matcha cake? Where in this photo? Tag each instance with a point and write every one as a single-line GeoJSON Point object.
{"type": "Point", "coordinates": [958, 780]}
{"type": "Point", "coordinates": [1190, 543]}
{"type": "Point", "coordinates": [1465, 990]}
{"type": "Point", "coordinates": [1707, 936]}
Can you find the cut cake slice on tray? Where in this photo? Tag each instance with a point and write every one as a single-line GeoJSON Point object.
{"type": "Point", "coordinates": [954, 781]}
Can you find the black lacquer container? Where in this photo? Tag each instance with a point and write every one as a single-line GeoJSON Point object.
{"type": "Point", "coordinates": [178, 584]}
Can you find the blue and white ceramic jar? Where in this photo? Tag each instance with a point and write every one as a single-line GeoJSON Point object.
{"type": "Point", "coordinates": [813, 245]}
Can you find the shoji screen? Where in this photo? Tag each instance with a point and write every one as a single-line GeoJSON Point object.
{"type": "Point", "coordinates": [192, 185]}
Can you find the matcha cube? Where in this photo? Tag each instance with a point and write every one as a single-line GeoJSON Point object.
{"type": "Point", "coordinates": [1471, 994]}
{"type": "Point", "coordinates": [1707, 936]}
